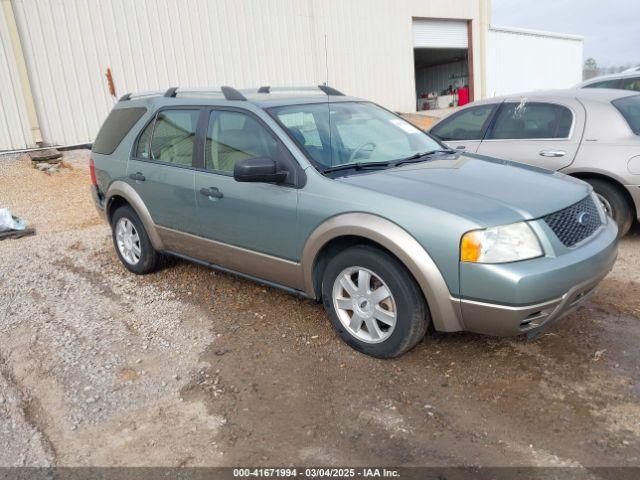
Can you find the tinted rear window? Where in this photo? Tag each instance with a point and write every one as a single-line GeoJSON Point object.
{"type": "Point", "coordinates": [115, 127]}
{"type": "Point", "coordinates": [630, 109]}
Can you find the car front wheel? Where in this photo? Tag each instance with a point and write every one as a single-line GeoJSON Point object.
{"type": "Point", "coordinates": [373, 302]}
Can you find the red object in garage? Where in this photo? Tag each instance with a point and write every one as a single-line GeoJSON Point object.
{"type": "Point", "coordinates": [463, 96]}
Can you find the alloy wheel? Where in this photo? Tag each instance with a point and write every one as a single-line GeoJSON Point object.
{"type": "Point", "coordinates": [364, 304]}
{"type": "Point", "coordinates": [128, 241]}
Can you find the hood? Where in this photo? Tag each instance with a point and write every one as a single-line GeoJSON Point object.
{"type": "Point", "coordinates": [483, 189]}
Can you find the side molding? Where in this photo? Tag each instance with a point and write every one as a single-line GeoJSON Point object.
{"type": "Point", "coordinates": [127, 192]}
{"type": "Point", "coordinates": [445, 313]}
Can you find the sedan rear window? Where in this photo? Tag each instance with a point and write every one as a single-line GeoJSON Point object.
{"type": "Point", "coordinates": [115, 128]}
{"type": "Point", "coordinates": [629, 107]}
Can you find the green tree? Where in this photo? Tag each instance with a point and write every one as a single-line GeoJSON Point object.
{"type": "Point", "coordinates": [590, 68]}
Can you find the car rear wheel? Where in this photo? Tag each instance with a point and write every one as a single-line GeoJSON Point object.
{"type": "Point", "coordinates": [615, 204]}
{"type": "Point", "coordinates": [132, 243]}
{"type": "Point", "coordinates": [373, 302]}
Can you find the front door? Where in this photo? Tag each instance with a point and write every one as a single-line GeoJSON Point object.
{"type": "Point", "coordinates": [161, 169]}
{"type": "Point", "coordinates": [464, 130]}
{"type": "Point", "coordinates": [257, 217]}
{"type": "Point", "coordinates": [542, 133]}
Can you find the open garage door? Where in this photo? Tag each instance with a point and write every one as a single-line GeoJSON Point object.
{"type": "Point", "coordinates": [442, 61]}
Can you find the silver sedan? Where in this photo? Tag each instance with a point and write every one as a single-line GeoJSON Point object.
{"type": "Point", "coordinates": [592, 134]}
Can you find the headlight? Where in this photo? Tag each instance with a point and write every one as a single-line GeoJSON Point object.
{"type": "Point", "coordinates": [507, 243]}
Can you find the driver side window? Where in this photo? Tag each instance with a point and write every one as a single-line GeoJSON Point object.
{"type": "Point", "coordinates": [234, 136]}
{"type": "Point", "coordinates": [469, 124]}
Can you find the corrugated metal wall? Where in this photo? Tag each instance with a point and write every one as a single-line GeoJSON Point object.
{"type": "Point", "coordinates": [15, 131]}
{"type": "Point", "coordinates": [152, 44]}
{"type": "Point", "coordinates": [439, 77]}
{"type": "Point", "coordinates": [520, 61]}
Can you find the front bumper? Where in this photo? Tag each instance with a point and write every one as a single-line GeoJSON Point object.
{"type": "Point", "coordinates": [521, 297]}
{"type": "Point", "coordinates": [505, 320]}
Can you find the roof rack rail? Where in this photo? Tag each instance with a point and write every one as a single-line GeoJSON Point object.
{"type": "Point", "coordinates": [229, 93]}
{"type": "Point", "coordinates": [327, 90]}
{"type": "Point", "coordinates": [131, 95]}
{"type": "Point", "coordinates": [171, 92]}
{"type": "Point", "coordinates": [330, 90]}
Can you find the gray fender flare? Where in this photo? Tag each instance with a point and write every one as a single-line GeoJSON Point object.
{"type": "Point", "coordinates": [126, 191]}
{"type": "Point", "coordinates": [445, 312]}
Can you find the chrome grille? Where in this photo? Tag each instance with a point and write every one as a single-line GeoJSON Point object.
{"type": "Point", "coordinates": [575, 223]}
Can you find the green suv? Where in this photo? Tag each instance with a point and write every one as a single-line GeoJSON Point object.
{"type": "Point", "coordinates": [337, 199]}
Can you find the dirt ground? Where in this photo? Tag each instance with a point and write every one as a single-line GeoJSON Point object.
{"type": "Point", "coordinates": [193, 367]}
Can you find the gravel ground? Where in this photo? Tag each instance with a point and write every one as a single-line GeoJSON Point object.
{"type": "Point", "coordinates": [188, 366]}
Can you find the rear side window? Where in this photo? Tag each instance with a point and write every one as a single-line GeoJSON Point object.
{"type": "Point", "coordinates": [468, 124]}
{"type": "Point", "coordinates": [629, 107]}
{"type": "Point", "coordinates": [115, 128]}
{"type": "Point", "coordinates": [143, 149]}
{"type": "Point", "coordinates": [530, 120]}
{"type": "Point", "coordinates": [632, 83]}
{"type": "Point", "coordinates": [613, 83]}
{"type": "Point", "coordinates": [174, 136]}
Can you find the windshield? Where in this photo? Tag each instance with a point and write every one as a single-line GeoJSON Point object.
{"type": "Point", "coordinates": [334, 134]}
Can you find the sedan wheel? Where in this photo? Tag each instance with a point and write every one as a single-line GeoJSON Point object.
{"type": "Point", "coordinates": [608, 209]}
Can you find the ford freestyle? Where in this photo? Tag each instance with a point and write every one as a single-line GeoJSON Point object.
{"type": "Point", "coordinates": [339, 200]}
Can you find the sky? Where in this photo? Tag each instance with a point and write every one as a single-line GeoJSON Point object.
{"type": "Point", "coordinates": [611, 28]}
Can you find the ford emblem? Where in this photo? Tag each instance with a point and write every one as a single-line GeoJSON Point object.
{"type": "Point", "coordinates": [583, 218]}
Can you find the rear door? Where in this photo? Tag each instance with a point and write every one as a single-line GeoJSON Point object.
{"type": "Point", "coordinates": [542, 132]}
{"type": "Point", "coordinates": [464, 130]}
{"type": "Point", "coordinates": [161, 169]}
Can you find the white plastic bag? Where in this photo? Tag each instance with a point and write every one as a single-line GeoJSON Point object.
{"type": "Point", "coordinates": [9, 222]}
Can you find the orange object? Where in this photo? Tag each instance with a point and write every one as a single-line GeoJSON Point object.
{"type": "Point", "coordinates": [112, 87]}
{"type": "Point", "coordinates": [470, 247]}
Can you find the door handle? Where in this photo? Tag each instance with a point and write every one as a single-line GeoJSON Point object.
{"type": "Point", "coordinates": [211, 192]}
{"type": "Point", "coordinates": [552, 153]}
{"type": "Point", "coordinates": [460, 147]}
{"type": "Point", "coordinates": [138, 177]}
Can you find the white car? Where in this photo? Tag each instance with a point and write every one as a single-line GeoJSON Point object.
{"type": "Point", "coordinates": [627, 80]}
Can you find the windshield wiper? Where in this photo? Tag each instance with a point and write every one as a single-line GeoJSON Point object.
{"type": "Point", "coordinates": [419, 157]}
{"type": "Point", "coordinates": [356, 166]}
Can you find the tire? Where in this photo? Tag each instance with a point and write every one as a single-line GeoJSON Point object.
{"type": "Point", "coordinates": [141, 260]}
{"type": "Point", "coordinates": [615, 201]}
{"type": "Point", "coordinates": [406, 302]}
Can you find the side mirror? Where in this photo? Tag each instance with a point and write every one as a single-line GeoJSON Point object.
{"type": "Point", "coordinates": [258, 169]}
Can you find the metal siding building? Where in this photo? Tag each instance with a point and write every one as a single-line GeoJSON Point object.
{"type": "Point", "coordinates": [524, 60]}
{"type": "Point", "coordinates": [362, 47]}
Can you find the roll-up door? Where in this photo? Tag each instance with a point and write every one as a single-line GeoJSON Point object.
{"type": "Point", "coordinates": [432, 33]}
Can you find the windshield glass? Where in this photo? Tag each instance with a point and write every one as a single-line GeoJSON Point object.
{"type": "Point", "coordinates": [334, 134]}
{"type": "Point", "coordinates": [630, 109]}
